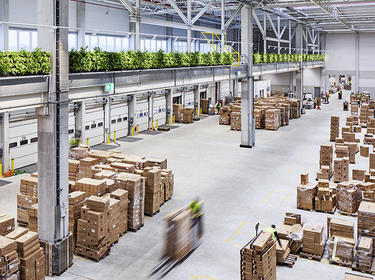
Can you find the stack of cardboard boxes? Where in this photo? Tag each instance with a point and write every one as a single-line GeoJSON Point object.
{"type": "Point", "coordinates": [122, 220]}
{"type": "Point", "coordinates": [342, 152]}
{"type": "Point", "coordinates": [325, 162]}
{"type": "Point", "coordinates": [135, 185]}
{"type": "Point", "coordinates": [204, 106]}
{"type": "Point", "coordinates": [76, 202]}
{"type": "Point", "coordinates": [295, 108]}
{"type": "Point", "coordinates": [335, 128]}
{"type": "Point", "coordinates": [153, 190]}
{"type": "Point", "coordinates": [9, 260]}
{"type": "Point", "coordinates": [33, 217]}
{"type": "Point", "coordinates": [91, 186]}
{"type": "Point", "coordinates": [85, 167]}
{"type": "Point", "coordinates": [259, 115]}
{"type": "Point", "coordinates": [306, 193]}
{"type": "Point", "coordinates": [177, 112]}
{"type": "Point", "coordinates": [258, 258]}
{"type": "Point", "coordinates": [187, 115]}
{"type": "Point", "coordinates": [32, 260]}
{"type": "Point", "coordinates": [366, 220]}
{"type": "Point", "coordinates": [235, 121]}
{"type": "Point", "coordinates": [364, 150]}
{"type": "Point", "coordinates": [93, 232]}
{"type": "Point", "coordinates": [168, 182]}
{"type": "Point", "coordinates": [341, 241]}
{"type": "Point", "coordinates": [341, 170]}
{"type": "Point", "coordinates": [312, 240]}
{"type": "Point", "coordinates": [291, 230]}
{"type": "Point", "coordinates": [273, 119]}
{"type": "Point", "coordinates": [363, 114]}
{"type": "Point", "coordinates": [73, 169]}
{"type": "Point", "coordinates": [28, 196]}
{"type": "Point", "coordinates": [363, 256]}
{"type": "Point", "coordinates": [224, 116]}
{"type": "Point", "coordinates": [325, 201]}
{"type": "Point", "coordinates": [349, 196]}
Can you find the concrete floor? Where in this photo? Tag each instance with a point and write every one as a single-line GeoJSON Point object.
{"type": "Point", "coordinates": [240, 187]}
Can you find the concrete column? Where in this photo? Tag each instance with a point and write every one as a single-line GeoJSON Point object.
{"type": "Point", "coordinates": [107, 118]}
{"type": "Point", "coordinates": [292, 81]}
{"type": "Point", "coordinates": [137, 43]}
{"type": "Point", "coordinates": [53, 140]}
{"type": "Point", "coordinates": [151, 110]}
{"type": "Point", "coordinates": [4, 28]}
{"type": "Point", "coordinates": [81, 24]}
{"type": "Point", "coordinates": [80, 113]}
{"type": "Point", "coordinates": [169, 31]}
{"type": "Point", "coordinates": [169, 98]}
{"type": "Point", "coordinates": [197, 100]}
{"type": "Point", "coordinates": [247, 85]}
{"type": "Point", "coordinates": [222, 14]}
{"type": "Point", "coordinates": [235, 88]}
{"type": "Point", "coordinates": [132, 105]}
{"type": "Point", "coordinates": [183, 98]}
{"type": "Point", "coordinates": [356, 81]}
{"type": "Point", "coordinates": [299, 45]}
{"type": "Point", "coordinates": [4, 141]}
{"type": "Point", "coordinates": [188, 42]}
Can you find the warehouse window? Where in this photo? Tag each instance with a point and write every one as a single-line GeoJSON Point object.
{"type": "Point", "coordinates": [33, 140]}
{"type": "Point", "coordinates": [72, 41]}
{"type": "Point", "coordinates": [107, 42]}
{"type": "Point", "coordinates": [22, 39]}
{"type": "Point", "coordinates": [113, 121]}
{"type": "Point", "coordinates": [125, 118]}
{"type": "Point", "coordinates": [87, 127]}
{"type": "Point", "coordinates": [12, 145]}
{"type": "Point", "coordinates": [93, 125]}
{"type": "Point", "coordinates": [24, 142]}
{"type": "Point", "coordinates": [70, 131]}
{"type": "Point", "coordinates": [119, 120]}
{"type": "Point", "coordinates": [100, 124]}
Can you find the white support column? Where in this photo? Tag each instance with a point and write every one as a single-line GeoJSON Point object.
{"type": "Point", "coordinates": [197, 100]}
{"type": "Point", "coordinates": [265, 33]}
{"type": "Point", "coordinates": [290, 36]}
{"type": "Point", "coordinates": [356, 84]}
{"type": "Point", "coordinates": [4, 141]}
{"type": "Point", "coordinates": [151, 111]}
{"type": "Point", "coordinates": [81, 120]}
{"type": "Point", "coordinates": [81, 24]}
{"type": "Point", "coordinates": [299, 45]}
{"type": "Point", "coordinates": [222, 14]}
{"type": "Point", "coordinates": [235, 88]}
{"type": "Point", "coordinates": [188, 42]}
{"type": "Point", "coordinates": [247, 85]}
{"type": "Point", "coordinates": [107, 119]}
{"type": "Point", "coordinates": [53, 139]}
{"type": "Point", "coordinates": [4, 27]}
{"type": "Point", "coordinates": [278, 35]}
{"type": "Point", "coordinates": [137, 41]}
{"type": "Point", "coordinates": [132, 112]}
{"type": "Point", "coordinates": [169, 99]}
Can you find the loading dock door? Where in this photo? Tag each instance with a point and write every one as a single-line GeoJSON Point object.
{"type": "Point", "coordinates": [94, 125]}
{"type": "Point", "coordinates": [160, 110]}
{"type": "Point", "coordinates": [142, 114]}
{"type": "Point", "coordinates": [189, 100]}
{"type": "Point", "coordinates": [119, 120]}
{"type": "Point", "coordinates": [71, 125]}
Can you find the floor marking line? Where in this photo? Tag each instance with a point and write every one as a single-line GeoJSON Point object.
{"type": "Point", "coordinates": [264, 200]}
{"type": "Point", "coordinates": [75, 274]}
{"type": "Point", "coordinates": [284, 199]}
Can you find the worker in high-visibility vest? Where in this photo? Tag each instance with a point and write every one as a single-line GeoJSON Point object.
{"type": "Point", "coordinates": [359, 98]}
{"type": "Point", "coordinates": [196, 208]}
{"type": "Point", "coordinates": [275, 235]}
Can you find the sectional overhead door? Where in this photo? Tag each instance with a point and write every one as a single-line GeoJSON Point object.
{"type": "Point", "coordinates": [23, 140]}
{"type": "Point", "coordinates": [189, 100]}
{"type": "Point", "coordinates": [119, 119]}
{"type": "Point", "coordinates": [71, 125]}
{"type": "Point", "coordinates": [94, 124]}
{"type": "Point", "coordinates": [160, 110]}
{"type": "Point", "coordinates": [142, 114]}
{"type": "Point", "coordinates": [224, 89]}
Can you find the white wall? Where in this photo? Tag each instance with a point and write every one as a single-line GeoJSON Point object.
{"type": "Point", "coordinates": [264, 85]}
{"type": "Point", "coordinates": [279, 82]}
{"type": "Point", "coordinates": [341, 57]}
{"type": "Point", "coordinates": [23, 11]}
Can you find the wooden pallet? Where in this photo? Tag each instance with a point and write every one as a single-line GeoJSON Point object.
{"type": "Point", "coordinates": [22, 224]}
{"type": "Point", "coordinates": [342, 262]}
{"type": "Point", "coordinates": [329, 212]}
{"type": "Point", "coordinates": [196, 118]}
{"type": "Point", "coordinates": [135, 229]}
{"type": "Point", "coordinates": [348, 214]}
{"type": "Point", "coordinates": [311, 256]}
{"type": "Point", "coordinates": [153, 214]}
{"type": "Point", "coordinates": [290, 260]}
{"type": "Point", "coordinates": [311, 210]}
{"type": "Point", "coordinates": [164, 128]}
{"type": "Point", "coordinates": [355, 267]}
{"type": "Point", "coordinates": [95, 259]}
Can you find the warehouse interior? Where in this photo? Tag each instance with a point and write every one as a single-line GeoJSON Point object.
{"type": "Point", "coordinates": [187, 139]}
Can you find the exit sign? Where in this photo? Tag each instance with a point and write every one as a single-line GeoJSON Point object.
{"type": "Point", "coordinates": [109, 87]}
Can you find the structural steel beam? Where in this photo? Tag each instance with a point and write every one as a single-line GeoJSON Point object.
{"type": "Point", "coordinates": [234, 15]}
{"type": "Point", "coordinates": [201, 12]}
{"type": "Point", "coordinates": [177, 9]}
{"type": "Point", "coordinates": [128, 6]}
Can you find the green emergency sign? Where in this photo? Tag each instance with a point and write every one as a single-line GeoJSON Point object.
{"type": "Point", "coordinates": [108, 87]}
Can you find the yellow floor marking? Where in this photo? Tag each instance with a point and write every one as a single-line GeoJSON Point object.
{"type": "Point", "coordinates": [264, 200]}
{"type": "Point", "coordinates": [284, 199]}
{"type": "Point", "coordinates": [229, 241]}
{"type": "Point", "coordinates": [197, 277]}
{"type": "Point", "coordinates": [79, 258]}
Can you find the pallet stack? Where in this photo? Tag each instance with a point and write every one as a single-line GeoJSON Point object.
{"type": "Point", "coordinates": [73, 169]}
{"type": "Point", "coordinates": [28, 196]}
{"type": "Point", "coordinates": [32, 260]}
{"type": "Point", "coordinates": [187, 115]}
{"type": "Point", "coordinates": [85, 167]}
{"type": "Point", "coordinates": [349, 197]}
{"type": "Point", "coordinates": [325, 200]}
{"type": "Point", "coordinates": [363, 114]}
{"type": "Point", "coordinates": [325, 162]}
{"type": "Point", "coordinates": [33, 217]}
{"type": "Point", "coordinates": [168, 181]}
{"type": "Point", "coordinates": [91, 186]}
{"type": "Point", "coordinates": [363, 256]}
{"type": "Point", "coordinates": [235, 121]}
{"type": "Point", "coordinates": [273, 119]}
{"type": "Point", "coordinates": [341, 170]}
{"type": "Point", "coordinates": [122, 220]}
{"type": "Point", "coordinates": [76, 202]}
{"type": "Point", "coordinates": [342, 152]}
{"type": "Point", "coordinates": [258, 258]}
{"type": "Point", "coordinates": [366, 220]}
{"type": "Point", "coordinates": [153, 190]}
{"type": "Point", "coordinates": [260, 118]}
{"type": "Point", "coordinates": [312, 241]}
{"type": "Point", "coordinates": [306, 193]}
{"type": "Point", "coordinates": [224, 116]}
{"type": "Point", "coordinates": [9, 260]}
{"type": "Point", "coordinates": [93, 232]}
{"type": "Point", "coordinates": [135, 185]}
{"type": "Point", "coordinates": [335, 128]}
{"type": "Point", "coordinates": [177, 112]}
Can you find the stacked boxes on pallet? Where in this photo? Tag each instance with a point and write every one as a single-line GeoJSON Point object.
{"type": "Point", "coordinates": [224, 116]}
{"type": "Point", "coordinates": [122, 221]}
{"type": "Point", "coordinates": [259, 115]}
{"type": "Point", "coordinates": [306, 193]}
{"type": "Point", "coordinates": [73, 169]}
{"type": "Point", "coordinates": [187, 115]}
{"type": "Point", "coordinates": [93, 232]}
{"type": "Point", "coordinates": [363, 256]}
{"type": "Point", "coordinates": [366, 220]}
{"type": "Point", "coordinates": [335, 127]}
{"type": "Point", "coordinates": [349, 196]}
{"type": "Point", "coordinates": [312, 240]}
{"type": "Point", "coordinates": [363, 114]}
{"type": "Point", "coordinates": [325, 201]}
{"type": "Point", "coordinates": [341, 170]}
{"type": "Point", "coordinates": [258, 258]}
{"type": "Point", "coordinates": [177, 112]}
{"type": "Point", "coordinates": [168, 181]}
{"type": "Point", "coordinates": [135, 185]}
{"type": "Point", "coordinates": [76, 202]}
{"type": "Point", "coordinates": [273, 119]}
{"type": "Point", "coordinates": [28, 196]}
{"type": "Point", "coordinates": [235, 121]}
{"type": "Point", "coordinates": [325, 162]}
{"type": "Point", "coordinates": [85, 167]}
{"type": "Point", "coordinates": [9, 260]}
{"type": "Point", "coordinates": [341, 241]}
{"type": "Point", "coordinates": [33, 217]}
{"type": "Point", "coordinates": [153, 190]}
{"type": "Point", "coordinates": [91, 186]}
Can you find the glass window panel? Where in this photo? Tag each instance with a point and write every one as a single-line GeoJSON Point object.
{"type": "Point", "coordinates": [118, 44]}
{"type": "Point", "coordinates": [72, 41]}
{"type": "Point", "coordinates": [102, 42]}
{"type": "Point", "coordinates": [24, 40]}
{"type": "Point", "coordinates": [34, 39]}
{"type": "Point", "coordinates": [125, 43]}
{"type": "Point", "coordinates": [93, 42]}
{"type": "Point", "coordinates": [110, 44]}
{"type": "Point", "coordinates": [13, 41]}
{"type": "Point", "coordinates": [87, 41]}
{"type": "Point", "coordinates": [158, 45]}
{"type": "Point", "coordinates": [164, 45]}
{"type": "Point", "coordinates": [153, 45]}
{"type": "Point", "coordinates": [147, 44]}
{"type": "Point", "coordinates": [143, 45]}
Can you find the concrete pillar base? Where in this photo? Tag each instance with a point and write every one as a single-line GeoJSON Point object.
{"type": "Point", "coordinates": [59, 255]}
